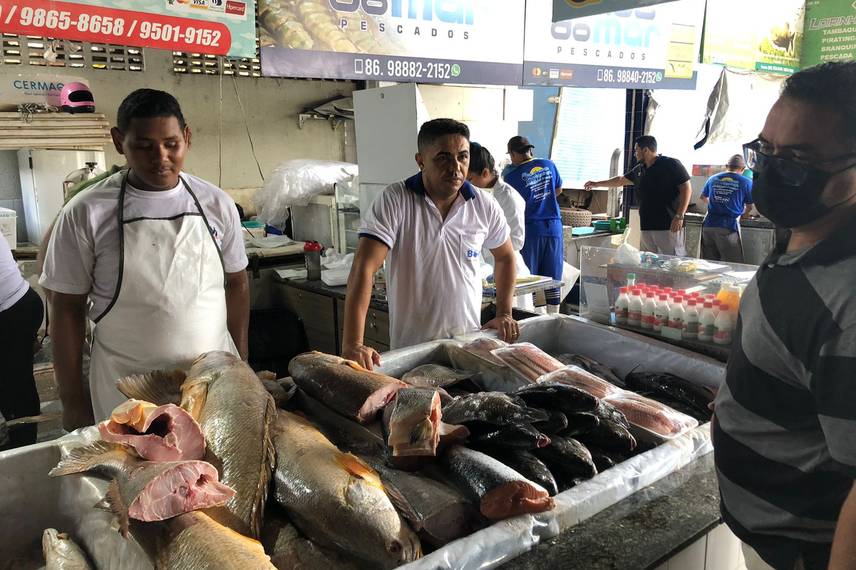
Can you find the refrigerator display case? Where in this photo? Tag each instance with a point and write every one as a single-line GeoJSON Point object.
{"type": "Point", "coordinates": [604, 272]}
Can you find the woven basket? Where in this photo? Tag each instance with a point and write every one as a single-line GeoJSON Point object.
{"type": "Point", "coordinates": [575, 217]}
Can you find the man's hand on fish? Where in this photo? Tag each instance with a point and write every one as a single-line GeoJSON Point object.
{"type": "Point", "coordinates": [507, 327]}
{"type": "Point", "coordinates": [365, 356]}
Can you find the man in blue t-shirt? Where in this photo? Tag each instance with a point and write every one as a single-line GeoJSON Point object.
{"type": "Point", "coordinates": [538, 182]}
{"type": "Point", "coordinates": [728, 196]}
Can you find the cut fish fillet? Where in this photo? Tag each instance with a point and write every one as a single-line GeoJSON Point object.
{"type": "Point", "coordinates": [189, 486]}
{"type": "Point", "coordinates": [156, 433]}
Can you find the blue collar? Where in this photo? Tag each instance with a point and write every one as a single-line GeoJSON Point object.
{"type": "Point", "coordinates": [415, 184]}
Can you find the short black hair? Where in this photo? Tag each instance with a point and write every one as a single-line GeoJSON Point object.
{"type": "Point", "coordinates": [647, 141]}
{"type": "Point", "coordinates": [438, 128]}
{"type": "Point", "coordinates": [148, 104]}
{"type": "Point", "coordinates": [480, 158]}
{"type": "Point", "coordinates": [829, 85]}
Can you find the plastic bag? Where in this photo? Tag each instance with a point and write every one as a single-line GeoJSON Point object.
{"type": "Point", "coordinates": [294, 183]}
{"type": "Point", "coordinates": [332, 259]}
{"type": "Point", "coordinates": [654, 422]}
{"type": "Point", "coordinates": [527, 360]}
{"type": "Point", "coordinates": [626, 254]}
{"type": "Point", "coordinates": [585, 381]}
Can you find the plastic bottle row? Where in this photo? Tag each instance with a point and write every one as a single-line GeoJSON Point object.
{"type": "Point", "coordinates": [677, 314]}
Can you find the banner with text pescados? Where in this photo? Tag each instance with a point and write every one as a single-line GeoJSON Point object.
{"type": "Point", "coordinates": [651, 47]}
{"type": "Point", "coordinates": [219, 27]}
{"type": "Point", "coordinates": [421, 41]}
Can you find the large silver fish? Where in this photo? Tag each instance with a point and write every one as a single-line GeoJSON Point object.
{"type": "Point", "coordinates": [196, 541]}
{"type": "Point", "coordinates": [336, 498]}
{"type": "Point", "coordinates": [236, 413]}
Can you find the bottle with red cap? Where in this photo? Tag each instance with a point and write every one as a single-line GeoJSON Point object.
{"type": "Point", "coordinates": [648, 308]}
{"type": "Point", "coordinates": [676, 314]}
{"type": "Point", "coordinates": [691, 322]}
{"type": "Point", "coordinates": [312, 257]}
{"type": "Point", "coordinates": [634, 309]}
{"type": "Point", "coordinates": [723, 326]}
{"type": "Point", "coordinates": [707, 323]}
{"type": "Point", "coordinates": [661, 313]}
{"type": "Point", "coordinates": [622, 306]}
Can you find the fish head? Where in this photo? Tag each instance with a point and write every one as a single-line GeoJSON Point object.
{"type": "Point", "coordinates": [387, 539]}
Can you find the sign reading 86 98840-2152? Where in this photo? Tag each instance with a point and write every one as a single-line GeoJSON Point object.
{"type": "Point", "coordinates": [220, 27]}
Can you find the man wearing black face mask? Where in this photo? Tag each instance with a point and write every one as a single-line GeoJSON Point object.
{"type": "Point", "coordinates": [785, 421]}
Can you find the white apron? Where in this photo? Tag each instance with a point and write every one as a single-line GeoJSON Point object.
{"type": "Point", "coordinates": [169, 305]}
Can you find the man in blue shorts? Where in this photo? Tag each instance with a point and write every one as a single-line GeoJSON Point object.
{"type": "Point", "coordinates": [538, 182]}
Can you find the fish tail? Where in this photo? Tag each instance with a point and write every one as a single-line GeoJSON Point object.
{"type": "Point", "coordinates": [115, 504]}
{"type": "Point", "coordinates": [422, 431]}
{"type": "Point", "coordinates": [86, 458]}
{"type": "Point", "coordinates": [159, 386]}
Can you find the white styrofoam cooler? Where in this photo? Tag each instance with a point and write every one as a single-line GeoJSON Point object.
{"type": "Point", "coordinates": [9, 226]}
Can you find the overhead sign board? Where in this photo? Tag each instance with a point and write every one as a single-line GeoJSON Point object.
{"type": "Point", "coordinates": [570, 9]}
{"type": "Point", "coordinates": [761, 35]}
{"type": "Point", "coordinates": [651, 47]}
{"type": "Point", "coordinates": [220, 27]}
{"type": "Point", "coordinates": [449, 41]}
{"type": "Point", "coordinates": [830, 31]}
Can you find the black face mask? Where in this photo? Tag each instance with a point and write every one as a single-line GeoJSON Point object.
{"type": "Point", "coordinates": [786, 192]}
{"type": "Point", "coordinates": [786, 205]}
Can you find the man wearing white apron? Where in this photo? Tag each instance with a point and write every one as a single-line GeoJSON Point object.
{"type": "Point", "coordinates": [156, 258]}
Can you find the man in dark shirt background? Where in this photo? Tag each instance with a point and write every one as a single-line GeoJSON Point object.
{"type": "Point", "coordinates": [664, 190]}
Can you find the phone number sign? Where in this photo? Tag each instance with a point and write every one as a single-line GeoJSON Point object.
{"type": "Point", "coordinates": [104, 24]}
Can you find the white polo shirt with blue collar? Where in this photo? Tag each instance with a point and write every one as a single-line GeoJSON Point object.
{"type": "Point", "coordinates": [433, 283]}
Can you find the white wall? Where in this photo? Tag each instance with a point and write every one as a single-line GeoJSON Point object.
{"type": "Point", "coordinates": [271, 107]}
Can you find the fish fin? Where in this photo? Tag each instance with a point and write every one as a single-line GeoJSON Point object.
{"type": "Point", "coordinates": [422, 431]}
{"type": "Point", "coordinates": [158, 387]}
{"type": "Point", "coordinates": [82, 459]}
{"type": "Point", "coordinates": [358, 468]}
{"type": "Point", "coordinates": [399, 501]}
{"type": "Point", "coordinates": [267, 469]}
{"type": "Point", "coordinates": [113, 503]}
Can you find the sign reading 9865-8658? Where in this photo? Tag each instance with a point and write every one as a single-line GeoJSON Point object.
{"type": "Point", "coordinates": [221, 27]}
{"type": "Point", "coordinates": [449, 41]}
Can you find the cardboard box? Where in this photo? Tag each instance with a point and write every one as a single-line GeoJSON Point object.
{"type": "Point", "coordinates": [9, 226]}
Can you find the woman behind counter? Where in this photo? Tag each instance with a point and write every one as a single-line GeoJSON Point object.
{"type": "Point", "coordinates": [21, 313]}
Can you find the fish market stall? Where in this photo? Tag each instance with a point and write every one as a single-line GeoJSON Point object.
{"type": "Point", "coordinates": [31, 501]}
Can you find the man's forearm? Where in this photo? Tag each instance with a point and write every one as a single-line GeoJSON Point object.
{"type": "Point", "coordinates": [843, 545]}
{"type": "Point", "coordinates": [686, 192]}
{"type": "Point", "coordinates": [504, 273]}
{"type": "Point", "coordinates": [356, 306]}
{"type": "Point", "coordinates": [238, 312]}
{"type": "Point", "coordinates": [68, 330]}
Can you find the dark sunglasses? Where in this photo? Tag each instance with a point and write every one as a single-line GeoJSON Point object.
{"type": "Point", "coordinates": [792, 173]}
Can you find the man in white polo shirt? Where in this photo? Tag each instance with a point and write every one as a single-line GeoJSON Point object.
{"type": "Point", "coordinates": [433, 227]}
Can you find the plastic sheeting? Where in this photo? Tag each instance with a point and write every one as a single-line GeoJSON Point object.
{"type": "Point", "coordinates": [30, 501]}
{"type": "Point", "coordinates": [294, 183]}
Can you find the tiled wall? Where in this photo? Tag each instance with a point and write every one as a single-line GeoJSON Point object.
{"type": "Point", "coordinates": [719, 550]}
{"type": "Point", "coordinates": [10, 189]}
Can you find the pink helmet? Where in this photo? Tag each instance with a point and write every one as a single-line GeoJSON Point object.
{"type": "Point", "coordinates": [76, 97]}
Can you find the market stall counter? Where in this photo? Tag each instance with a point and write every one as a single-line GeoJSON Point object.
{"type": "Point", "coordinates": [31, 501]}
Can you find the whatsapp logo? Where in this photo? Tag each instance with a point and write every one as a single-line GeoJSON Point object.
{"type": "Point", "coordinates": [456, 70]}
